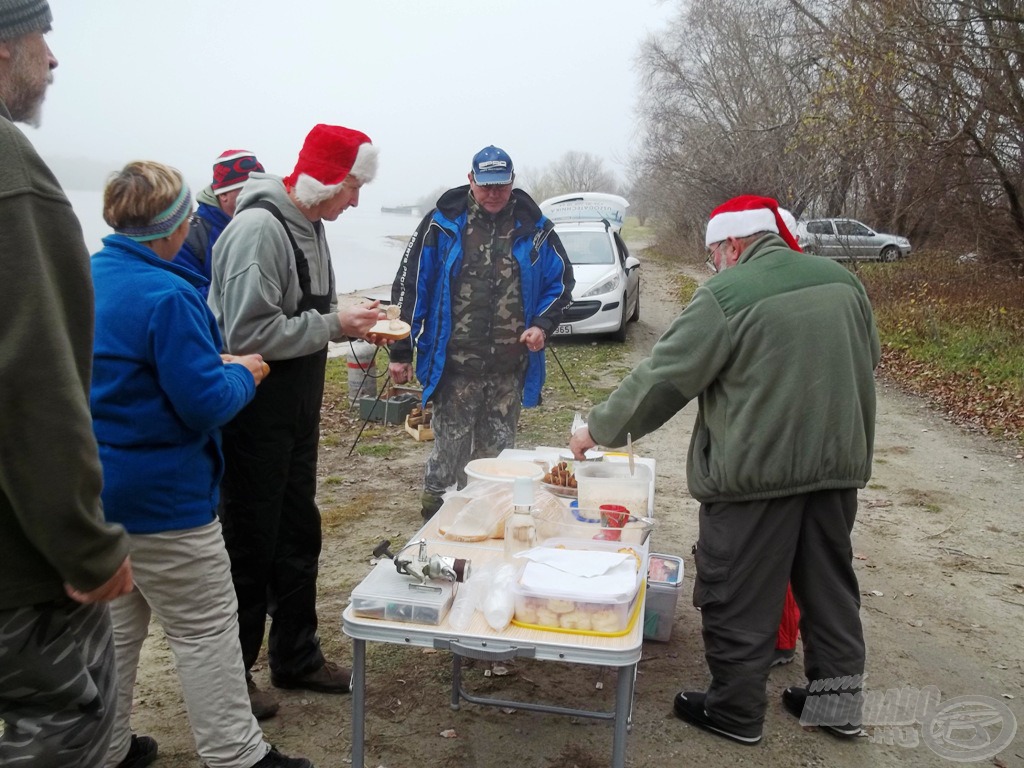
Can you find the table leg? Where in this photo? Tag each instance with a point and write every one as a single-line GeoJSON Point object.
{"type": "Point", "coordinates": [623, 707]}
{"type": "Point", "coordinates": [358, 686]}
{"type": "Point", "coordinates": [456, 680]}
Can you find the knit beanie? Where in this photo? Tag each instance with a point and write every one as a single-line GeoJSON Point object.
{"type": "Point", "coordinates": [329, 155]}
{"type": "Point", "coordinates": [232, 168]}
{"type": "Point", "coordinates": [20, 17]}
{"type": "Point", "coordinates": [744, 215]}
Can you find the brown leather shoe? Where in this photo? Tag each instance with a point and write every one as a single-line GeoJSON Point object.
{"type": "Point", "coordinates": [263, 705]}
{"type": "Point", "coordinates": [330, 678]}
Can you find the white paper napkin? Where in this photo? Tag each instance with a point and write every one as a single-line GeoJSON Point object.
{"type": "Point", "coordinates": [579, 574]}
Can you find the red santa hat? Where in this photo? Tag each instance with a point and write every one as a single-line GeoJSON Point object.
{"type": "Point", "coordinates": [330, 154]}
{"type": "Point", "coordinates": [745, 215]}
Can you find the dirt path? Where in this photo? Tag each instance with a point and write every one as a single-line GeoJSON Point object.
{"type": "Point", "coordinates": [940, 558]}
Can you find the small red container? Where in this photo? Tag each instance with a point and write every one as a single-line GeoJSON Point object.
{"type": "Point", "coordinates": [613, 516]}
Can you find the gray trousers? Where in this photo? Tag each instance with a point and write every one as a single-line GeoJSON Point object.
{"type": "Point", "coordinates": [475, 416]}
{"type": "Point", "coordinates": [57, 684]}
{"type": "Point", "coordinates": [746, 554]}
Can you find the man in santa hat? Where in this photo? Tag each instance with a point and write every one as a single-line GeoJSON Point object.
{"type": "Point", "coordinates": [779, 348]}
{"type": "Point", "coordinates": [273, 291]}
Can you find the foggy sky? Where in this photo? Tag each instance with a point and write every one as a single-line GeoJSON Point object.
{"type": "Point", "coordinates": [430, 81]}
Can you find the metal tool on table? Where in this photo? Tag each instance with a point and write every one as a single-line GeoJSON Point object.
{"type": "Point", "coordinates": [423, 567]}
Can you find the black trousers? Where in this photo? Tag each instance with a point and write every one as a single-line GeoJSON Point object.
{"type": "Point", "coordinates": [746, 554]}
{"type": "Point", "coordinates": [270, 517]}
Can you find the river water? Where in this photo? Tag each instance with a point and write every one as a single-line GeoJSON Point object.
{"type": "Point", "coordinates": [366, 245]}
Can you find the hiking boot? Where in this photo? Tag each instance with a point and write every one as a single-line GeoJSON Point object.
{"type": "Point", "coordinates": [689, 706]}
{"type": "Point", "coordinates": [141, 752]}
{"type": "Point", "coordinates": [274, 759]}
{"type": "Point", "coordinates": [430, 504]}
{"type": "Point", "coordinates": [330, 678]}
{"type": "Point", "coordinates": [793, 699]}
{"type": "Point", "coordinates": [262, 704]}
{"type": "Point", "coordinates": [783, 656]}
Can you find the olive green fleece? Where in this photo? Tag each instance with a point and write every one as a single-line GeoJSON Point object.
{"type": "Point", "coordinates": [780, 351]}
{"type": "Point", "coordinates": [51, 521]}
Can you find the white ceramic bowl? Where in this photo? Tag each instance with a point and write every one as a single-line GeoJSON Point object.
{"type": "Point", "coordinates": [503, 470]}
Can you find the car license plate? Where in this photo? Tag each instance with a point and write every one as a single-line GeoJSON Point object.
{"type": "Point", "coordinates": [562, 330]}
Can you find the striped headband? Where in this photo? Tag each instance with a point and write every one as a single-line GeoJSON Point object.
{"type": "Point", "coordinates": [165, 222]}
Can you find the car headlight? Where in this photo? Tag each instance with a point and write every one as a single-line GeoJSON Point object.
{"type": "Point", "coordinates": [902, 242]}
{"type": "Point", "coordinates": [607, 285]}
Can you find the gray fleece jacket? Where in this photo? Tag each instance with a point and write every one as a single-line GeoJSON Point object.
{"type": "Point", "coordinates": [254, 288]}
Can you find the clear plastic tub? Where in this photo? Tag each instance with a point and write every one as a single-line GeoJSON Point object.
{"type": "Point", "coordinates": [554, 609]}
{"type": "Point", "coordinates": [608, 482]}
{"type": "Point", "coordinates": [664, 583]}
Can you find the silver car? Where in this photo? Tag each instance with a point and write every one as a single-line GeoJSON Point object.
{"type": "Point", "coordinates": [847, 240]}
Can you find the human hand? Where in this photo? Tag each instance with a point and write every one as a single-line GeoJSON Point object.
{"type": "Point", "coordinates": [356, 321]}
{"type": "Point", "coordinates": [400, 372]}
{"type": "Point", "coordinates": [254, 364]}
{"type": "Point", "coordinates": [580, 443]}
{"type": "Point", "coordinates": [533, 337]}
{"type": "Point", "coordinates": [118, 584]}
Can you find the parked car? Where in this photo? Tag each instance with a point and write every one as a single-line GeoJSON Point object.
{"type": "Point", "coordinates": [847, 239]}
{"type": "Point", "coordinates": [607, 292]}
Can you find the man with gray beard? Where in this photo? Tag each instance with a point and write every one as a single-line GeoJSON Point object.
{"type": "Point", "coordinates": [59, 560]}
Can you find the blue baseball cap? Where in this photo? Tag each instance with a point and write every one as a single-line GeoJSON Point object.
{"type": "Point", "coordinates": [492, 165]}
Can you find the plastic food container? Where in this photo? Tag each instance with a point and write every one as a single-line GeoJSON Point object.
{"type": "Point", "coordinates": [503, 470]}
{"type": "Point", "coordinates": [391, 596]}
{"type": "Point", "coordinates": [664, 582]}
{"type": "Point", "coordinates": [583, 523]}
{"type": "Point", "coordinates": [606, 482]}
{"type": "Point", "coordinates": [554, 609]}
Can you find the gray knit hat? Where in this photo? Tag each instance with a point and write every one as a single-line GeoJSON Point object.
{"type": "Point", "coordinates": [20, 17]}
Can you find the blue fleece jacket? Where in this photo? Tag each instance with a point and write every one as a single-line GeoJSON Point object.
{"type": "Point", "coordinates": [197, 251]}
{"type": "Point", "coordinates": [160, 391]}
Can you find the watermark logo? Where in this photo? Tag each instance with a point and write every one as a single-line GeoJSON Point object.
{"type": "Point", "coordinates": [965, 729]}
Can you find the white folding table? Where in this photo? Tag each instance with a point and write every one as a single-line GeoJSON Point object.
{"type": "Point", "coordinates": [479, 641]}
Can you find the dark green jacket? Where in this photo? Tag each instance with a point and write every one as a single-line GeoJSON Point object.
{"type": "Point", "coordinates": [51, 521]}
{"type": "Point", "coordinates": [780, 351]}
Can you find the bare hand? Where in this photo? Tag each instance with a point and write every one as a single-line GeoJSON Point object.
{"type": "Point", "coordinates": [580, 443]}
{"type": "Point", "coordinates": [400, 372]}
{"type": "Point", "coordinates": [253, 363]}
{"type": "Point", "coordinates": [118, 584]}
{"type": "Point", "coordinates": [533, 337]}
{"type": "Point", "coordinates": [356, 321]}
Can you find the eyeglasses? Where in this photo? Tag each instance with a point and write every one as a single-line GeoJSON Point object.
{"type": "Point", "coordinates": [711, 251]}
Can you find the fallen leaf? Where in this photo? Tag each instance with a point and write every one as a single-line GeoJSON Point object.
{"type": "Point", "coordinates": [1007, 695]}
{"type": "Point", "coordinates": [876, 593]}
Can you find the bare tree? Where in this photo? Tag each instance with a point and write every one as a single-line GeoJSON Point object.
{"type": "Point", "coordinates": [574, 172]}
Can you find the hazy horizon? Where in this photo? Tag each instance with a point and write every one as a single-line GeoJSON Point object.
{"type": "Point", "coordinates": [430, 82]}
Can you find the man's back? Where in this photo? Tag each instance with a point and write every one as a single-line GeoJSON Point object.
{"type": "Point", "coordinates": [792, 407]}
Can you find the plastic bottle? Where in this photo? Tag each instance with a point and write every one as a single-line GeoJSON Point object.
{"type": "Point", "coordinates": [520, 528]}
{"type": "Point", "coordinates": [499, 604]}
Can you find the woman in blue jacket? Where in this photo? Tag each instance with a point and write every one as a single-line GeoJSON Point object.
{"type": "Point", "coordinates": [160, 392]}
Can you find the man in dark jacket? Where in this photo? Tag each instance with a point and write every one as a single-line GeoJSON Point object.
{"type": "Point", "coordinates": [779, 348]}
{"type": "Point", "coordinates": [216, 207]}
{"type": "Point", "coordinates": [483, 283]}
{"type": "Point", "coordinates": [58, 559]}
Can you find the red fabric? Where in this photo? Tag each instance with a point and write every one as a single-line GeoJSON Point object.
{"type": "Point", "coordinates": [753, 202]}
{"type": "Point", "coordinates": [789, 626]}
{"type": "Point", "coordinates": [328, 154]}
